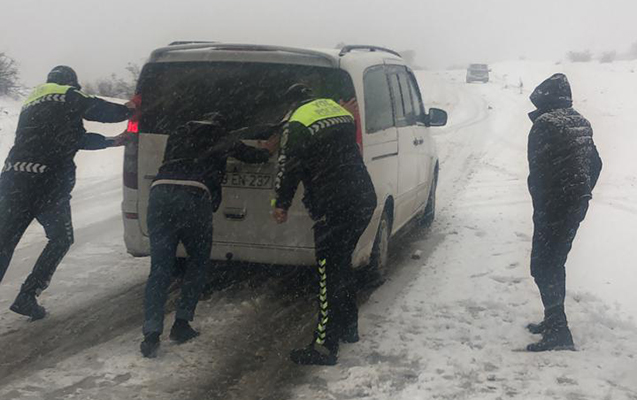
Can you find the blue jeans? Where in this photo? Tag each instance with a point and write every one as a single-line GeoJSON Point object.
{"type": "Point", "coordinates": [176, 214]}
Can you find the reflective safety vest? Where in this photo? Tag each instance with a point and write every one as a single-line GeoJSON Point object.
{"type": "Point", "coordinates": [47, 92]}
{"type": "Point", "coordinates": [321, 113]}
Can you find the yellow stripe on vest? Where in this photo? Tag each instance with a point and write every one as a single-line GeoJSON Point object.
{"type": "Point", "coordinates": [45, 90]}
{"type": "Point", "coordinates": [317, 110]}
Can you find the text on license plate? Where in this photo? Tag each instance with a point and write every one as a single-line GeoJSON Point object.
{"type": "Point", "coordinates": [247, 180]}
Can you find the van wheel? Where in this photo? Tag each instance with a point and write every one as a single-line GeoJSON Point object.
{"type": "Point", "coordinates": [428, 216]}
{"type": "Point", "coordinates": [380, 250]}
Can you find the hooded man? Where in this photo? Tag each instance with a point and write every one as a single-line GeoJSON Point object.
{"type": "Point", "coordinates": [563, 169]}
{"type": "Point", "coordinates": [39, 174]}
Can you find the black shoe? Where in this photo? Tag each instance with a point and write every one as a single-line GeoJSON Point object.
{"type": "Point", "coordinates": [554, 340]}
{"type": "Point", "coordinates": [150, 345]}
{"type": "Point", "coordinates": [350, 334]}
{"type": "Point", "coordinates": [314, 354]}
{"type": "Point", "coordinates": [536, 329]}
{"type": "Point", "coordinates": [26, 304]}
{"type": "Point", "coordinates": [182, 332]}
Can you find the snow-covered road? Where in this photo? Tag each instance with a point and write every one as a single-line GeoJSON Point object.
{"type": "Point", "coordinates": [446, 326]}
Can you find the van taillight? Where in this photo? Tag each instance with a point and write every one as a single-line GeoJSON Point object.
{"type": "Point", "coordinates": [131, 151]}
{"type": "Point", "coordinates": [133, 122]}
{"type": "Point", "coordinates": [133, 126]}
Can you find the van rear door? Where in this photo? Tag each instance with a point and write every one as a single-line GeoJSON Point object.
{"type": "Point", "coordinates": [246, 94]}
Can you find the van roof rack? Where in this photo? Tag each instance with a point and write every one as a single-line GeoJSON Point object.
{"type": "Point", "coordinates": [349, 48]}
{"type": "Point", "coordinates": [182, 42]}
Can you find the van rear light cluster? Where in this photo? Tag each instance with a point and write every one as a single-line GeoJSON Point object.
{"type": "Point", "coordinates": [133, 122]}
{"type": "Point", "coordinates": [352, 107]}
{"type": "Point", "coordinates": [131, 151]}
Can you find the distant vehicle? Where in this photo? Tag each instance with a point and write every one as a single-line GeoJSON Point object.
{"type": "Point", "coordinates": [184, 81]}
{"type": "Point", "coordinates": [478, 73]}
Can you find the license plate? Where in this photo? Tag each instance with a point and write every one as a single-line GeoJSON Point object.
{"type": "Point", "coordinates": [247, 180]}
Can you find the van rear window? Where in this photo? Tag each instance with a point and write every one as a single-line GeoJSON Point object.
{"type": "Point", "coordinates": [245, 93]}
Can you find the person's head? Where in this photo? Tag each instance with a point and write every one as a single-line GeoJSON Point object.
{"type": "Point", "coordinates": [296, 94]}
{"type": "Point", "coordinates": [555, 92]}
{"type": "Point", "coordinates": [63, 75]}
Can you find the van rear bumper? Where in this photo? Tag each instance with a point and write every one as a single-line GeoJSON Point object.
{"type": "Point", "coordinates": [138, 245]}
{"type": "Point", "coordinates": [263, 254]}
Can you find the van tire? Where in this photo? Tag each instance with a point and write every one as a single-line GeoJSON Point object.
{"type": "Point", "coordinates": [380, 250]}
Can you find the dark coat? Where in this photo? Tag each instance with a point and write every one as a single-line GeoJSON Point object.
{"type": "Point", "coordinates": [51, 125]}
{"type": "Point", "coordinates": [564, 164]}
{"type": "Point", "coordinates": [324, 156]}
{"type": "Point", "coordinates": [51, 131]}
{"type": "Point", "coordinates": [198, 151]}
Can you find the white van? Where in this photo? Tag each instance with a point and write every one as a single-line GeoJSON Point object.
{"type": "Point", "coordinates": [183, 81]}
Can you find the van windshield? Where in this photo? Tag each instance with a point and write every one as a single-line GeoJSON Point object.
{"type": "Point", "coordinates": [245, 93]}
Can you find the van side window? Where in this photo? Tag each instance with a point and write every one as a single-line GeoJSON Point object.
{"type": "Point", "coordinates": [419, 109]}
{"type": "Point", "coordinates": [407, 98]}
{"type": "Point", "coordinates": [399, 106]}
{"type": "Point", "coordinates": [378, 106]}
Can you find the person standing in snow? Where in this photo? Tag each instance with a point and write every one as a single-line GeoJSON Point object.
{"type": "Point", "coordinates": [183, 197]}
{"type": "Point", "coordinates": [39, 174]}
{"type": "Point", "coordinates": [563, 169]}
{"type": "Point", "coordinates": [318, 147]}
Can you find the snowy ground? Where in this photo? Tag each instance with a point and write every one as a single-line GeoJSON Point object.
{"type": "Point", "coordinates": [447, 326]}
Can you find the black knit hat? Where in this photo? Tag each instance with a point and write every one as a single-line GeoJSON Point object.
{"type": "Point", "coordinates": [63, 75]}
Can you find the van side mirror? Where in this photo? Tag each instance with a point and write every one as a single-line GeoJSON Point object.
{"type": "Point", "coordinates": [436, 117]}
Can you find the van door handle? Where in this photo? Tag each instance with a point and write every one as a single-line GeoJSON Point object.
{"type": "Point", "coordinates": [416, 142]}
{"type": "Point", "coordinates": [235, 214]}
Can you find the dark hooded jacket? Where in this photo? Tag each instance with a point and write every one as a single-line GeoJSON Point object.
{"type": "Point", "coordinates": [564, 164]}
{"type": "Point", "coordinates": [198, 152]}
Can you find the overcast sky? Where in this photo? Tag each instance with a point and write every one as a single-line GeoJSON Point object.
{"type": "Point", "coordinates": [98, 37]}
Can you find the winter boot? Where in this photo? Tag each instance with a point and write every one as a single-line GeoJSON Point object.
{"type": "Point", "coordinates": [556, 335]}
{"type": "Point", "coordinates": [554, 339]}
{"type": "Point", "coordinates": [315, 354]}
{"type": "Point", "coordinates": [182, 332]}
{"type": "Point", "coordinates": [536, 329]}
{"type": "Point", "coordinates": [27, 304]}
{"type": "Point", "coordinates": [150, 345]}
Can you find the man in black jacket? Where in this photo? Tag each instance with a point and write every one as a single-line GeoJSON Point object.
{"type": "Point", "coordinates": [183, 197]}
{"type": "Point", "coordinates": [563, 169]}
{"type": "Point", "coordinates": [319, 148]}
{"type": "Point", "coordinates": [39, 174]}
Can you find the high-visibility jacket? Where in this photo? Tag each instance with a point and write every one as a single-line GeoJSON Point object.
{"type": "Point", "coordinates": [319, 148]}
{"type": "Point", "coordinates": [50, 128]}
{"type": "Point", "coordinates": [51, 131]}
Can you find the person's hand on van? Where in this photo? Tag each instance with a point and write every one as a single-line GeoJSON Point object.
{"type": "Point", "coordinates": [350, 105]}
{"type": "Point", "coordinates": [121, 139]}
{"type": "Point", "coordinates": [272, 144]}
{"type": "Point", "coordinates": [280, 215]}
{"type": "Point", "coordinates": [131, 105]}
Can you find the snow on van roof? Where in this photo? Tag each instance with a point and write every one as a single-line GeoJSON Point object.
{"type": "Point", "coordinates": [332, 56]}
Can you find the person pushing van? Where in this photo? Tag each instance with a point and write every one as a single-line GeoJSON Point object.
{"type": "Point", "coordinates": [318, 147]}
{"type": "Point", "coordinates": [184, 195]}
{"type": "Point", "coordinates": [39, 174]}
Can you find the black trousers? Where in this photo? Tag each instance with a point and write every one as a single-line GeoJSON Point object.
{"type": "Point", "coordinates": [27, 196]}
{"type": "Point", "coordinates": [336, 237]}
{"type": "Point", "coordinates": [176, 214]}
{"type": "Point", "coordinates": [555, 227]}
